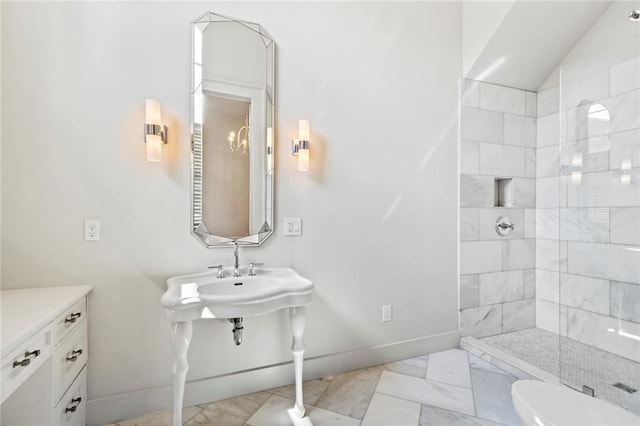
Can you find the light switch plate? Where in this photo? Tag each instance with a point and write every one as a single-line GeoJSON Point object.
{"type": "Point", "coordinates": [292, 226]}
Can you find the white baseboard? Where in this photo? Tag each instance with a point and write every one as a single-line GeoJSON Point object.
{"type": "Point", "coordinates": [133, 404]}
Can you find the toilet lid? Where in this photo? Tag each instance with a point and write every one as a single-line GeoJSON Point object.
{"type": "Point", "coordinates": [541, 403]}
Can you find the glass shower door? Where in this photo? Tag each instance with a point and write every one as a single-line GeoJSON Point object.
{"type": "Point", "coordinates": [599, 224]}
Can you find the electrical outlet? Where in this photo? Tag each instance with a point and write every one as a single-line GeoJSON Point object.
{"type": "Point", "coordinates": [386, 313]}
{"type": "Point", "coordinates": [92, 230]}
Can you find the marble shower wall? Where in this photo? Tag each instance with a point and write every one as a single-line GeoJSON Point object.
{"type": "Point", "coordinates": [497, 140]}
{"type": "Point", "coordinates": [588, 207]}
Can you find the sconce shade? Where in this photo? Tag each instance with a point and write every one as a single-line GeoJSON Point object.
{"type": "Point", "coordinates": [155, 132]}
{"type": "Point", "coordinates": [301, 148]}
{"type": "Point", "coordinates": [303, 130]}
{"type": "Point", "coordinates": [303, 160]}
{"type": "Point", "coordinates": [154, 148]}
{"type": "Point", "coordinates": [152, 112]}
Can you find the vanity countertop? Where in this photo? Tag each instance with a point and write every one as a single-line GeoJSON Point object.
{"type": "Point", "coordinates": [23, 312]}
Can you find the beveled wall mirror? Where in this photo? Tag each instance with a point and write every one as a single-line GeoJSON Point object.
{"type": "Point", "coordinates": [232, 132]}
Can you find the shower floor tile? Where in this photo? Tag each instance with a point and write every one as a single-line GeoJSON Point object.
{"type": "Point", "coordinates": [579, 365]}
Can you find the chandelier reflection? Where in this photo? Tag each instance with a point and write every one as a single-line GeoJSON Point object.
{"type": "Point", "coordinates": [239, 141]}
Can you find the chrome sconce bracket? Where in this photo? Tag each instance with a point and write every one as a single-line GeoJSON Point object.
{"type": "Point", "coordinates": [155, 130]}
{"type": "Point", "coordinates": [297, 145]}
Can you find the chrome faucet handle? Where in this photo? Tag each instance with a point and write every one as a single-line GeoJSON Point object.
{"type": "Point", "coordinates": [252, 265]}
{"type": "Point", "coordinates": [220, 270]}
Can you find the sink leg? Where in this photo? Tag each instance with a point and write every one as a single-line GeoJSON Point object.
{"type": "Point", "coordinates": [297, 316]}
{"type": "Point", "coordinates": [180, 339]}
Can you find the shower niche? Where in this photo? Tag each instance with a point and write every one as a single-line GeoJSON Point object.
{"type": "Point", "coordinates": [503, 192]}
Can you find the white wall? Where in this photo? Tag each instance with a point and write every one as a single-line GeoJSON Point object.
{"type": "Point", "coordinates": [378, 82]}
{"type": "Point", "coordinates": [480, 20]}
{"type": "Point", "coordinates": [609, 31]}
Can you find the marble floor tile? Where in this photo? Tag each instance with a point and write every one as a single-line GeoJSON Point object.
{"type": "Point", "coordinates": [437, 394]}
{"type": "Point", "coordinates": [478, 363]}
{"type": "Point", "coordinates": [450, 367]}
{"type": "Point", "coordinates": [416, 367]}
{"type": "Point", "coordinates": [231, 412]}
{"type": "Point", "coordinates": [274, 412]}
{"type": "Point", "coordinates": [312, 390]}
{"type": "Point", "coordinates": [432, 416]}
{"type": "Point", "coordinates": [161, 419]}
{"type": "Point", "coordinates": [349, 393]}
{"type": "Point", "coordinates": [492, 397]}
{"type": "Point", "coordinates": [386, 410]}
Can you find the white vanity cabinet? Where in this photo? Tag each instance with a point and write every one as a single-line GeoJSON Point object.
{"type": "Point", "coordinates": [44, 353]}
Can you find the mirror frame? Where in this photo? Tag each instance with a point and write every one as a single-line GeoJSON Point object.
{"type": "Point", "coordinates": [198, 230]}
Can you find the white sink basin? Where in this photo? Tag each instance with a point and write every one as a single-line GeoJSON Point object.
{"type": "Point", "coordinates": [203, 295]}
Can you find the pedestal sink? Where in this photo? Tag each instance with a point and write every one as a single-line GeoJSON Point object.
{"type": "Point", "coordinates": [205, 295]}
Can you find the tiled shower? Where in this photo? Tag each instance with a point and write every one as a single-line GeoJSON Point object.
{"type": "Point", "coordinates": [497, 274]}
{"type": "Point", "coordinates": [562, 291]}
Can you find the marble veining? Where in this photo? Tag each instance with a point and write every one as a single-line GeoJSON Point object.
{"type": "Point", "coordinates": [481, 321]}
{"type": "Point", "coordinates": [590, 294]}
{"type": "Point", "coordinates": [547, 130]}
{"type": "Point", "coordinates": [427, 392]}
{"type": "Point", "coordinates": [468, 291]}
{"type": "Point", "coordinates": [476, 191]}
{"type": "Point", "coordinates": [596, 330]}
{"type": "Point", "coordinates": [548, 285]}
{"type": "Point", "coordinates": [584, 224]}
{"type": "Point", "coordinates": [469, 225]}
{"type": "Point", "coordinates": [524, 192]}
{"type": "Point", "coordinates": [349, 393]}
{"type": "Point", "coordinates": [481, 125]}
{"type": "Point", "coordinates": [480, 256]}
{"type": "Point", "coordinates": [519, 130]}
{"type": "Point", "coordinates": [608, 261]}
{"type": "Point", "coordinates": [518, 315]}
{"type": "Point", "coordinates": [518, 254]}
{"type": "Point", "coordinates": [548, 101]}
{"type": "Point", "coordinates": [548, 224]}
{"type": "Point", "coordinates": [625, 225]}
{"type": "Point", "coordinates": [493, 397]}
{"type": "Point", "coordinates": [503, 99]}
{"type": "Point", "coordinates": [625, 301]}
{"type": "Point", "coordinates": [469, 157]}
{"type": "Point", "coordinates": [450, 367]}
{"type": "Point", "coordinates": [501, 160]}
{"type": "Point", "coordinates": [501, 287]}
{"type": "Point", "coordinates": [388, 410]}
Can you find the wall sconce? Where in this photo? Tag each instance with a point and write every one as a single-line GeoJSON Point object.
{"type": "Point", "coordinates": [155, 133]}
{"type": "Point", "coordinates": [300, 146]}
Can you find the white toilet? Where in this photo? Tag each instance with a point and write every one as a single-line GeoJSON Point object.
{"type": "Point", "coordinates": [540, 403]}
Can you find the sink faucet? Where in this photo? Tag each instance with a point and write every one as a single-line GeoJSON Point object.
{"type": "Point", "coordinates": [236, 255]}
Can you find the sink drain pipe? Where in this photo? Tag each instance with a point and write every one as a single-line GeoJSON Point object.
{"type": "Point", "coordinates": [237, 329]}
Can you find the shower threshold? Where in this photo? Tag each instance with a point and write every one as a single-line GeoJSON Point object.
{"type": "Point", "coordinates": [535, 354]}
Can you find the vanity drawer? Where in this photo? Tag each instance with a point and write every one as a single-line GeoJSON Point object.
{"type": "Point", "coordinates": [68, 359]}
{"type": "Point", "coordinates": [22, 362]}
{"type": "Point", "coordinates": [72, 408]}
{"type": "Point", "coordinates": [69, 320]}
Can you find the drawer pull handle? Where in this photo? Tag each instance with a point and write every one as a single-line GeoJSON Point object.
{"type": "Point", "coordinates": [74, 355]}
{"type": "Point", "coordinates": [72, 317]}
{"type": "Point", "coordinates": [74, 407]}
{"type": "Point", "coordinates": [27, 358]}
{"type": "Point", "coordinates": [22, 363]}
{"type": "Point", "coordinates": [34, 354]}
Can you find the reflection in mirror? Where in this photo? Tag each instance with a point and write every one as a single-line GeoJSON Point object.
{"type": "Point", "coordinates": [232, 128]}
